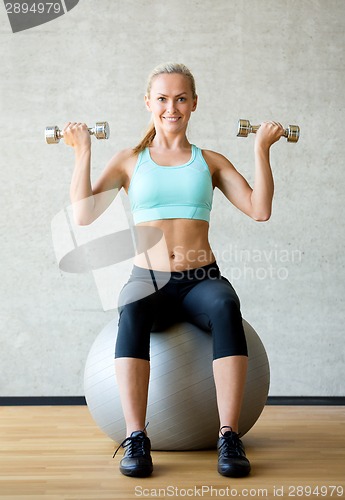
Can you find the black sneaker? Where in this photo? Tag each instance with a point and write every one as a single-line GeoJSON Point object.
{"type": "Point", "coordinates": [136, 461]}
{"type": "Point", "coordinates": [232, 460]}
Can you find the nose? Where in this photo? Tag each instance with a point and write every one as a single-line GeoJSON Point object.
{"type": "Point", "coordinates": [171, 107]}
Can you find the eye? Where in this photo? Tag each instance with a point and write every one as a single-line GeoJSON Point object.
{"type": "Point", "coordinates": [182, 99]}
{"type": "Point", "coordinates": [161, 99]}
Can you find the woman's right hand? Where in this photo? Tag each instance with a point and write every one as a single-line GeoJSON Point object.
{"type": "Point", "coordinates": [77, 135]}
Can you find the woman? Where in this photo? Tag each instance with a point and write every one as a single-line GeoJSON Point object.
{"type": "Point", "coordinates": [170, 184]}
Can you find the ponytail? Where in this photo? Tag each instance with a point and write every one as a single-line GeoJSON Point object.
{"type": "Point", "coordinates": [146, 141]}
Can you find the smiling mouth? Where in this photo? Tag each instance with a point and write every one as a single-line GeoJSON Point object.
{"type": "Point", "coordinates": [171, 119]}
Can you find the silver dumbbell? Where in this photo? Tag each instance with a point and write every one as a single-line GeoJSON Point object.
{"type": "Point", "coordinates": [244, 128]}
{"type": "Point", "coordinates": [53, 134]}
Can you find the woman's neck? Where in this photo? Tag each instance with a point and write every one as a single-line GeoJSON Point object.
{"type": "Point", "coordinates": [172, 143]}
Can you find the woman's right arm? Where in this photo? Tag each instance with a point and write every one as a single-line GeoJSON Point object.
{"type": "Point", "coordinates": [88, 201]}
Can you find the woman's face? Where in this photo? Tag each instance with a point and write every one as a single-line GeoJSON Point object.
{"type": "Point", "coordinates": [171, 102]}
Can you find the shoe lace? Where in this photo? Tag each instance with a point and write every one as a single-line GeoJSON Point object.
{"type": "Point", "coordinates": [230, 445]}
{"type": "Point", "coordinates": [135, 444]}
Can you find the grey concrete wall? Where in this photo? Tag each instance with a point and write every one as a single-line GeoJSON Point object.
{"type": "Point", "coordinates": [261, 59]}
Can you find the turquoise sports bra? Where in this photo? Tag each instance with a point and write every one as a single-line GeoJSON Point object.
{"type": "Point", "coordinates": [179, 192]}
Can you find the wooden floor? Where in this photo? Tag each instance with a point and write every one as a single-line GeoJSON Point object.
{"type": "Point", "coordinates": [59, 453]}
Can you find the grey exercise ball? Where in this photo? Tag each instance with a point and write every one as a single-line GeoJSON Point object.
{"type": "Point", "coordinates": [182, 409]}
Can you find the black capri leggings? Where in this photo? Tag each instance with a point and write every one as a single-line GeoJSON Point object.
{"type": "Point", "coordinates": [152, 300]}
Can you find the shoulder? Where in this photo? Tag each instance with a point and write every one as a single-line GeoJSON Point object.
{"type": "Point", "coordinates": [124, 157]}
{"type": "Point", "coordinates": [213, 156]}
{"type": "Point", "coordinates": [118, 170]}
{"type": "Point", "coordinates": [123, 161]}
{"type": "Point", "coordinates": [216, 161]}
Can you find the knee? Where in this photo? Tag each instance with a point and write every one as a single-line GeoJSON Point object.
{"type": "Point", "coordinates": [225, 304]}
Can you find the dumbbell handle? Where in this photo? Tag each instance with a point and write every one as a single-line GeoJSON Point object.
{"type": "Point", "coordinates": [244, 128]}
{"type": "Point", "coordinates": [59, 132]}
{"type": "Point", "coordinates": [254, 128]}
{"type": "Point", "coordinates": [100, 130]}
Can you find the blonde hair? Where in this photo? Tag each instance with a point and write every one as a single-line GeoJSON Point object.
{"type": "Point", "coordinates": [166, 68]}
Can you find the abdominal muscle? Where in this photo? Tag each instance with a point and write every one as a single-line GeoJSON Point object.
{"type": "Point", "coordinates": [182, 244]}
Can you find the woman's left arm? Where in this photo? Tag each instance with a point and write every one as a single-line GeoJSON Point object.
{"type": "Point", "coordinates": [255, 202]}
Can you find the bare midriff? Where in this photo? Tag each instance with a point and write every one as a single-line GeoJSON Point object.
{"type": "Point", "coordinates": [173, 245]}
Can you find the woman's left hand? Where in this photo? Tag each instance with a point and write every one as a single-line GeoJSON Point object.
{"type": "Point", "coordinates": [268, 133]}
